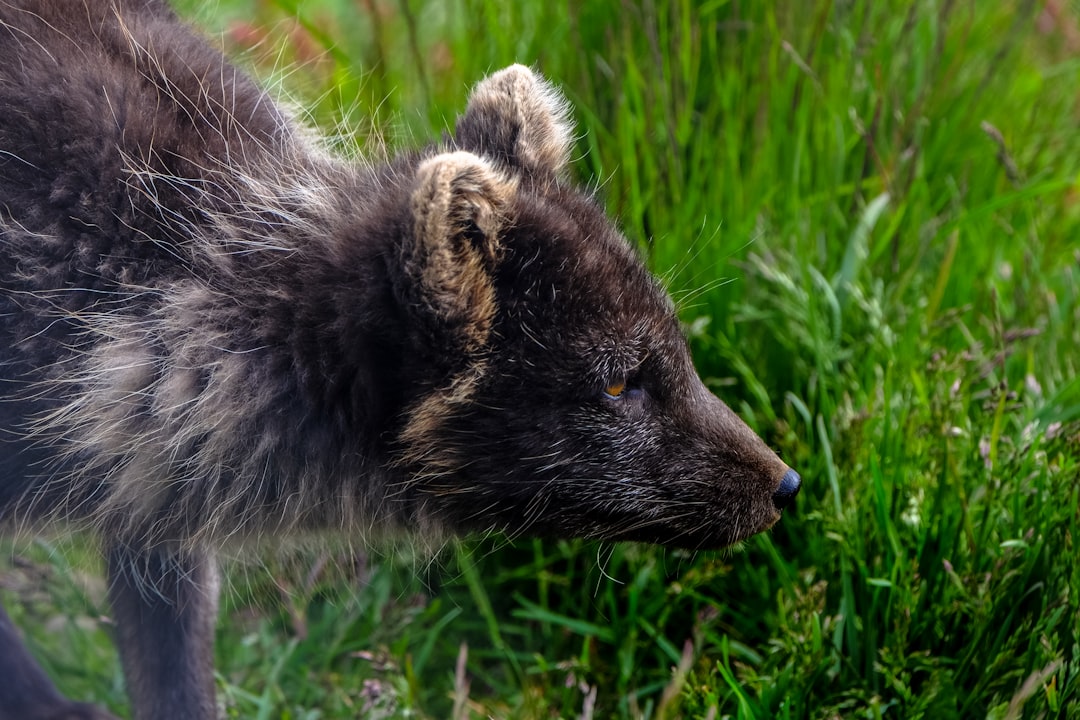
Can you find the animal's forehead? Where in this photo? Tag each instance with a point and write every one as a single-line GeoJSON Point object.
{"type": "Point", "coordinates": [571, 267]}
{"type": "Point", "coordinates": [568, 236]}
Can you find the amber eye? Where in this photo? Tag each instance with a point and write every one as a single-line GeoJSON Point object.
{"type": "Point", "coordinates": [615, 389]}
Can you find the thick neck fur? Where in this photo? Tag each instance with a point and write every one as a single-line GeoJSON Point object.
{"type": "Point", "coordinates": [214, 397]}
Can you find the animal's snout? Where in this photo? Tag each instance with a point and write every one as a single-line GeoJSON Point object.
{"type": "Point", "coordinates": [789, 488]}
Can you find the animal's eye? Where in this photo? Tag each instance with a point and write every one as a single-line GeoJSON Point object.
{"type": "Point", "coordinates": [615, 390]}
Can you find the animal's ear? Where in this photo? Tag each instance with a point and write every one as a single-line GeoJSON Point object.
{"type": "Point", "coordinates": [518, 118]}
{"type": "Point", "coordinates": [459, 206]}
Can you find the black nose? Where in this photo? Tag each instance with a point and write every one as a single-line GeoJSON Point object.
{"type": "Point", "coordinates": [789, 488]}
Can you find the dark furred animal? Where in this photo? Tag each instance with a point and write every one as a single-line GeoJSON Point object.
{"type": "Point", "coordinates": [212, 330]}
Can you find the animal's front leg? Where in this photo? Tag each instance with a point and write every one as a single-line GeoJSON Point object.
{"type": "Point", "coordinates": [165, 607]}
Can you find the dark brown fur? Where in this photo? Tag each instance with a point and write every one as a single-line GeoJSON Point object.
{"type": "Point", "coordinates": [213, 330]}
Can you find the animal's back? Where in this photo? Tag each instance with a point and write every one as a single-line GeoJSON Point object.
{"type": "Point", "coordinates": [130, 153]}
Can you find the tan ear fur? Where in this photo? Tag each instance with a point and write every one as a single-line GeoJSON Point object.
{"type": "Point", "coordinates": [517, 106]}
{"type": "Point", "coordinates": [459, 208]}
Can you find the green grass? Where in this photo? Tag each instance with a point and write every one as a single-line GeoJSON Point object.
{"type": "Point", "coordinates": [870, 214]}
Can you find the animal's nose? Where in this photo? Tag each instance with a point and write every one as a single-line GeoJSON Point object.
{"type": "Point", "coordinates": [789, 488]}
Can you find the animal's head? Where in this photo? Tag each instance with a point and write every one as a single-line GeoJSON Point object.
{"type": "Point", "coordinates": [571, 407]}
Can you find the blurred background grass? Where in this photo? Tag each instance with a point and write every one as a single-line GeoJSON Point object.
{"type": "Point", "coordinates": [868, 212]}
